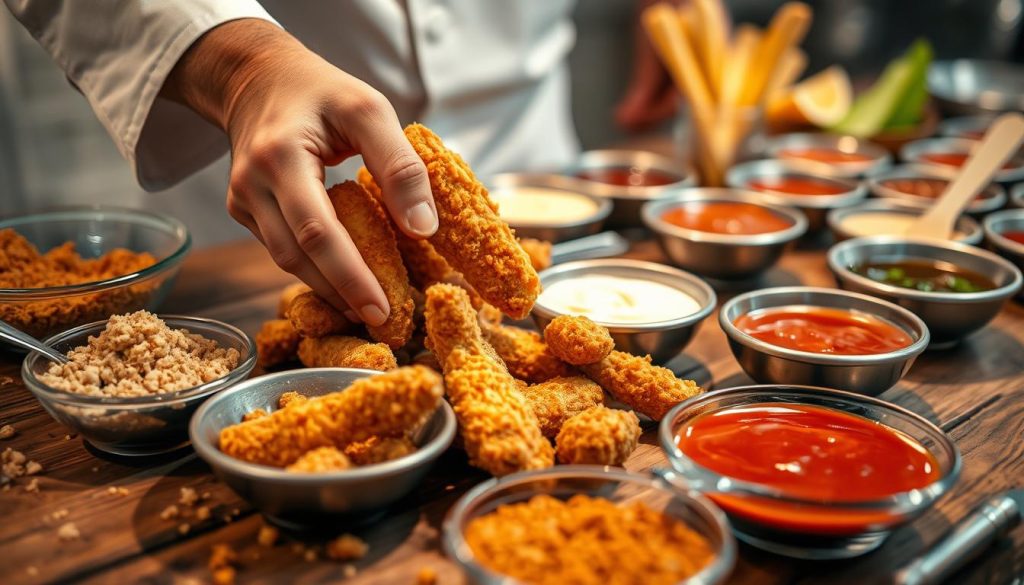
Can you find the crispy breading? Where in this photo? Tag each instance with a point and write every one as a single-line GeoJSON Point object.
{"type": "Point", "coordinates": [598, 436]}
{"type": "Point", "coordinates": [489, 315]}
{"type": "Point", "coordinates": [451, 322]}
{"type": "Point", "coordinates": [470, 235]}
{"type": "Point", "coordinates": [254, 414]}
{"type": "Point", "coordinates": [321, 459]}
{"type": "Point", "coordinates": [539, 252]}
{"type": "Point", "coordinates": [339, 351]}
{"type": "Point", "coordinates": [578, 340]}
{"type": "Point", "coordinates": [499, 431]}
{"type": "Point", "coordinates": [314, 317]}
{"type": "Point", "coordinates": [388, 404]}
{"type": "Point", "coordinates": [378, 450]}
{"type": "Point", "coordinates": [646, 388]}
{"type": "Point", "coordinates": [557, 400]}
{"type": "Point", "coordinates": [427, 359]}
{"type": "Point", "coordinates": [290, 398]}
{"type": "Point", "coordinates": [369, 226]}
{"type": "Point", "coordinates": [524, 353]}
{"type": "Point", "coordinates": [288, 295]}
{"type": "Point", "coordinates": [277, 342]}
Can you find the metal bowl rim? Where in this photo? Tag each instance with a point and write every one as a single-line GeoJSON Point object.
{"type": "Point", "coordinates": [771, 167]}
{"type": "Point", "coordinates": [630, 192]}
{"type": "Point", "coordinates": [834, 218]}
{"type": "Point", "coordinates": [604, 205]}
{"type": "Point", "coordinates": [997, 238]}
{"type": "Point", "coordinates": [995, 201]}
{"type": "Point", "coordinates": [911, 153]}
{"type": "Point", "coordinates": [880, 157]}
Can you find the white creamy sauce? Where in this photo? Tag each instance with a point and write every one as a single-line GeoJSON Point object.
{"type": "Point", "coordinates": [881, 223]}
{"type": "Point", "coordinates": [612, 299]}
{"type": "Point", "coordinates": [537, 205]}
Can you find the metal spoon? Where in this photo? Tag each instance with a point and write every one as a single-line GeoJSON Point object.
{"type": "Point", "coordinates": [22, 339]}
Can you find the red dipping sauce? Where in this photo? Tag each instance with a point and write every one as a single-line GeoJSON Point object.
{"type": "Point", "coordinates": [957, 159]}
{"type": "Point", "coordinates": [796, 186]}
{"type": "Point", "coordinates": [825, 155]}
{"type": "Point", "coordinates": [629, 176]}
{"type": "Point", "coordinates": [726, 218]}
{"type": "Point", "coordinates": [1015, 236]}
{"type": "Point", "coordinates": [823, 330]}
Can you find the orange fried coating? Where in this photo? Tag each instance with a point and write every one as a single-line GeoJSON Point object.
{"type": "Point", "coordinates": [320, 460]}
{"type": "Point", "coordinates": [288, 295]}
{"type": "Point", "coordinates": [646, 388]}
{"type": "Point", "coordinates": [489, 315]}
{"type": "Point", "coordinates": [578, 340]}
{"type": "Point", "coordinates": [557, 400]}
{"type": "Point", "coordinates": [339, 351]}
{"type": "Point", "coordinates": [427, 359]}
{"type": "Point", "coordinates": [451, 321]}
{"type": "Point", "coordinates": [598, 436]}
{"type": "Point", "coordinates": [290, 398]}
{"type": "Point", "coordinates": [368, 224]}
{"type": "Point", "coordinates": [255, 414]}
{"type": "Point", "coordinates": [277, 342]}
{"type": "Point", "coordinates": [314, 317]}
{"type": "Point", "coordinates": [378, 450]}
{"type": "Point", "coordinates": [526, 355]}
{"type": "Point", "coordinates": [539, 252]}
{"type": "Point", "coordinates": [470, 235]}
{"type": "Point", "coordinates": [499, 431]}
{"type": "Point", "coordinates": [385, 405]}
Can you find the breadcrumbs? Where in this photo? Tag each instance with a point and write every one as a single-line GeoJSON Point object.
{"type": "Point", "coordinates": [59, 514]}
{"type": "Point", "coordinates": [187, 496]}
{"type": "Point", "coordinates": [169, 513]}
{"type": "Point", "coordinates": [137, 354]}
{"type": "Point", "coordinates": [68, 531]}
{"type": "Point", "coordinates": [222, 559]}
{"type": "Point", "coordinates": [7, 431]}
{"type": "Point", "coordinates": [14, 464]}
{"type": "Point", "coordinates": [202, 513]}
{"type": "Point", "coordinates": [32, 571]}
{"type": "Point", "coordinates": [346, 548]}
{"type": "Point", "coordinates": [586, 541]}
{"type": "Point", "coordinates": [378, 450]}
{"type": "Point", "coordinates": [33, 486]}
{"type": "Point", "coordinates": [267, 536]}
{"type": "Point", "coordinates": [349, 571]}
{"type": "Point", "coordinates": [426, 576]}
{"type": "Point", "coordinates": [184, 528]}
{"type": "Point", "coordinates": [254, 414]}
{"type": "Point", "coordinates": [117, 491]}
{"type": "Point", "coordinates": [289, 398]}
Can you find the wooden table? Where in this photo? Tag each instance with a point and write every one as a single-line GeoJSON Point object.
{"type": "Point", "coordinates": [124, 540]}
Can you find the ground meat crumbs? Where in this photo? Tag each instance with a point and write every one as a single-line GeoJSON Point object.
{"type": "Point", "coordinates": [7, 431]}
{"type": "Point", "coordinates": [586, 541]}
{"type": "Point", "coordinates": [267, 536]}
{"type": "Point", "coordinates": [139, 355]}
{"type": "Point", "coordinates": [68, 531]}
{"type": "Point", "coordinates": [346, 548]}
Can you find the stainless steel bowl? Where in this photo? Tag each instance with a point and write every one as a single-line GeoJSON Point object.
{"type": "Point", "coordinates": [304, 499]}
{"type": "Point", "coordinates": [553, 231]}
{"type": "Point", "coordinates": [663, 340]}
{"type": "Point", "coordinates": [913, 152]}
{"type": "Point", "coordinates": [968, 228]}
{"type": "Point", "coordinates": [616, 485]}
{"type": "Point", "coordinates": [1017, 195]}
{"type": "Point", "coordinates": [815, 207]}
{"type": "Point", "coordinates": [628, 200]}
{"type": "Point", "coordinates": [143, 425]}
{"type": "Point", "coordinates": [992, 197]}
{"type": "Point", "coordinates": [879, 158]}
{"type": "Point", "coordinates": [863, 374]}
{"type": "Point", "coordinates": [968, 87]}
{"type": "Point", "coordinates": [1000, 222]}
{"type": "Point", "coordinates": [971, 127]}
{"type": "Point", "coordinates": [722, 256]}
{"type": "Point", "coordinates": [950, 316]}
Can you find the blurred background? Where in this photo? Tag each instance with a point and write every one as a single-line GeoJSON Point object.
{"type": "Point", "coordinates": [53, 151]}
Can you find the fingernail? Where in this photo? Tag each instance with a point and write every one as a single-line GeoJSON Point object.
{"type": "Point", "coordinates": [372, 315]}
{"type": "Point", "coordinates": [422, 219]}
{"type": "Point", "coordinates": [351, 316]}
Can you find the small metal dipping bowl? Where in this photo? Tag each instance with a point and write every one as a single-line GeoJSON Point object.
{"type": "Point", "coordinates": [1017, 195]}
{"type": "Point", "coordinates": [305, 499]}
{"type": "Point", "coordinates": [768, 518]}
{"type": "Point", "coordinates": [864, 374]}
{"type": "Point", "coordinates": [971, 127]}
{"type": "Point", "coordinates": [815, 207]}
{"type": "Point", "coordinates": [879, 157]}
{"type": "Point", "coordinates": [992, 197]}
{"type": "Point", "coordinates": [968, 227]}
{"type": "Point", "coordinates": [553, 231]}
{"type": "Point", "coordinates": [722, 256]}
{"type": "Point", "coordinates": [912, 152]}
{"type": "Point", "coordinates": [968, 87]}
{"type": "Point", "coordinates": [998, 223]}
{"type": "Point", "coordinates": [628, 200]}
{"type": "Point", "coordinates": [663, 340]}
{"type": "Point", "coordinates": [616, 485]}
{"type": "Point", "coordinates": [950, 316]}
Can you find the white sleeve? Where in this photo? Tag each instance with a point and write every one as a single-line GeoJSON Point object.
{"type": "Point", "coordinates": [118, 53]}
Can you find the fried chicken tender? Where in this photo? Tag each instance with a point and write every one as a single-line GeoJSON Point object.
{"type": "Point", "coordinates": [314, 317]}
{"type": "Point", "coordinates": [499, 431]}
{"type": "Point", "coordinates": [526, 355]}
{"type": "Point", "coordinates": [598, 436]}
{"type": "Point", "coordinates": [646, 388]}
{"type": "Point", "coordinates": [386, 405]}
{"type": "Point", "coordinates": [539, 252]}
{"type": "Point", "coordinates": [254, 414]}
{"type": "Point", "coordinates": [378, 450]}
{"type": "Point", "coordinates": [320, 460]}
{"type": "Point", "coordinates": [559, 399]}
{"type": "Point", "coordinates": [578, 340]}
{"type": "Point", "coordinates": [277, 342]}
{"type": "Point", "coordinates": [290, 398]}
{"type": "Point", "coordinates": [339, 351]}
{"type": "Point", "coordinates": [452, 322]}
{"type": "Point", "coordinates": [368, 224]}
{"type": "Point", "coordinates": [288, 295]}
{"type": "Point", "coordinates": [470, 235]}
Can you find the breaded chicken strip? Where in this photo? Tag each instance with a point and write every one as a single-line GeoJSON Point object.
{"type": "Point", "coordinates": [559, 399]}
{"type": "Point", "coordinates": [526, 355]}
{"type": "Point", "coordinates": [368, 224]}
{"type": "Point", "coordinates": [598, 436]}
{"type": "Point", "coordinates": [277, 342]}
{"type": "Point", "coordinates": [644, 387]}
{"type": "Point", "coordinates": [290, 398]}
{"type": "Point", "coordinates": [451, 321]}
{"type": "Point", "coordinates": [339, 351]}
{"type": "Point", "coordinates": [320, 460]}
{"type": "Point", "coordinates": [470, 235]}
{"type": "Point", "coordinates": [314, 317]}
{"type": "Point", "coordinates": [499, 431]}
{"type": "Point", "coordinates": [385, 405]}
{"type": "Point", "coordinates": [578, 340]}
{"type": "Point", "coordinates": [288, 295]}
{"type": "Point", "coordinates": [539, 252]}
{"type": "Point", "coordinates": [254, 414]}
{"type": "Point", "coordinates": [378, 450]}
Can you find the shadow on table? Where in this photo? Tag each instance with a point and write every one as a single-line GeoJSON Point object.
{"type": "Point", "coordinates": [988, 354]}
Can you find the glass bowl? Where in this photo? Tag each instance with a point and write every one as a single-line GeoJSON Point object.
{"type": "Point", "coordinates": [95, 231]}
{"type": "Point", "coordinates": [612, 484]}
{"type": "Point", "coordinates": [768, 518]}
{"type": "Point", "coordinates": [142, 425]}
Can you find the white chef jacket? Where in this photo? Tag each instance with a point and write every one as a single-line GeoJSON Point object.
{"type": "Point", "coordinates": [489, 76]}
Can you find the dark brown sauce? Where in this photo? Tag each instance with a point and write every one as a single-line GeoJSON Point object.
{"type": "Point", "coordinates": [926, 276]}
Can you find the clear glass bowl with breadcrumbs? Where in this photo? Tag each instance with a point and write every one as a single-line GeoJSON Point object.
{"type": "Point", "coordinates": [122, 260]}
{"type": "Point", "coordinates": [704, 552]}
{"type": "Point", "coordinates": [140, 425]}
